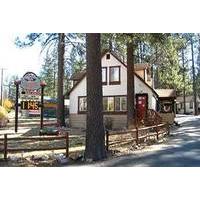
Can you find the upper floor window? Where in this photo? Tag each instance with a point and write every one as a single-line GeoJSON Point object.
{"type": "Point", "coordinates": [82, 102]}
{"type": "Point", "coordinates": [104, 75]}
{"type": "Point", "coordinates": [115, 75]}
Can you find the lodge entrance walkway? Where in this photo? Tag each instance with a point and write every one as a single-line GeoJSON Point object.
{"type": "Point", "coordinates": [181, 150]}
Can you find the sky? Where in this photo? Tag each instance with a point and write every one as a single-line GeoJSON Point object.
{"type": "Point", "coordinates": [17, 61]}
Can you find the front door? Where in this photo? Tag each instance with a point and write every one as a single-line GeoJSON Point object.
{"type": "Point", "coordinates": [141, 106]}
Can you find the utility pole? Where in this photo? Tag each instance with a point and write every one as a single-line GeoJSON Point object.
{"type": "Point", "coordinates": [2, 69]}
{"type": "Point", "coordinates": [194, 78]}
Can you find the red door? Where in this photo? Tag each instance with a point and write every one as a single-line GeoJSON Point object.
{"type": "Point", "coordinates": [141, 105]}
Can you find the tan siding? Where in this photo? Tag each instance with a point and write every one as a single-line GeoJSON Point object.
{"type": "Point", "coordinates": [167, 117]}
{"type": "Point", "coordinates": [79, 121]}
{"type": "Point", "coordinates": [119, 121]}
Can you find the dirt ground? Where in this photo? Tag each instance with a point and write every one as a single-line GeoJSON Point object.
{"type": "Point", "coordinates": [119, 145]}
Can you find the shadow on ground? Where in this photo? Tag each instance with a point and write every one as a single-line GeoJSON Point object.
{"type": "Point", "coordinates": [181, 150]}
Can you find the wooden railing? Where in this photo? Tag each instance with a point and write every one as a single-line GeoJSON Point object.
{"type": "Point", "coordinates": [139, 134]}
{"type": "Point", "coordinates": [6, 140]}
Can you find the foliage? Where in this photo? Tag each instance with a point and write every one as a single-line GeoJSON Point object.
{"type": "Point", "coordinates": [11, 87]}
{"type": "Point", "coordinates": [48, 73]}
{"type": "Point", "coordinates": [3, 113]}
{"type": "Point", "coordinates": [8, 105]}
{"type": "Point", "coordinates": [74, 60]}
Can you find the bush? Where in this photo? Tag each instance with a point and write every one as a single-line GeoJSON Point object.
{"type": "Point", "coordinates": [3, 117]}
{"type": "Point", "coordinates": [7, 104]}
{"type": "Point", "coordinates": [108, 123]}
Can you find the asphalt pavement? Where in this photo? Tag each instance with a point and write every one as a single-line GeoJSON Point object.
{"type": "Point", "coordinates": [182, 149]}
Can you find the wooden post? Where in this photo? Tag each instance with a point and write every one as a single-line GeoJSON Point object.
{"type": "Point", "coordinates": [5, 146]}
{"type": "Point", "coordinates": [107, 140]}
{"type": "Point", "coordinates": [67, 144]}
{"type": "Point", "coordinates": [137, 135]}
{"type": "Point", "coordinates": [136, 127]}
{"type": "Point", "coordinates": [17, 82]}
{"type": "Point", "coordinates": [42, 84]}
{"type": "Point", "coordinates": [42, 107]}
{"type": "Point", "coordinates": [168, 129]}
{"type": "Point", "coordinates": [157, 136]}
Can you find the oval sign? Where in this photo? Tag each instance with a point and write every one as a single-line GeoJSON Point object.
{"type": "Point", "coordinates": [30, 81]}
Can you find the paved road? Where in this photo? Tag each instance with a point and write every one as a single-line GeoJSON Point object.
{"type": "Point", "coordinates": [181, 150]}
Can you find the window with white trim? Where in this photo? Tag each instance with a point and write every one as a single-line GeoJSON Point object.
{"type": "Point", "coordinates": [114, 74]}
{"type": "Point", "coordinates": [82, 104]}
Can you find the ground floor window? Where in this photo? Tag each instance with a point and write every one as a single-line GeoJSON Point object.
{"type": "Point", "coordinates": [110, 104]}
{"type": "Point", "coordinates": [120, 103]}
{"type": "Point", "coordinates": [191, 104]}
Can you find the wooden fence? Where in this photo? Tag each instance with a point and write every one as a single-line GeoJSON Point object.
{"type": "Point", "coordinates": [140, 134]}
{"type": "Point", "coordinates": [7, 150]}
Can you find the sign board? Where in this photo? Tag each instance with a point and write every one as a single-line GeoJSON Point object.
{"type": "Point", "coordinates": [30, 81]}
{"type": "Point", "coordinates": [31, 92]}
{"type": "Point", "coordinates": [30, 105]}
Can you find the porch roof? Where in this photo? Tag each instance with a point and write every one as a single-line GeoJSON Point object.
{"type": "Point", "coordinates": [166, 93]}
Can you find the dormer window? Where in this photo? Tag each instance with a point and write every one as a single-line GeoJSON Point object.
{"type": "Point", "coordinates": [108, 56]}
{"type": "Point", "coordinates": [114, 75]}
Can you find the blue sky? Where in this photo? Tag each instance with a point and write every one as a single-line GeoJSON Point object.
{"type": "Point", "coordinates": [18, 61]}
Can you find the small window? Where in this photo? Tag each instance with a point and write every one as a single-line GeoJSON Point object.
{"type": "Point", "coordinates": [107, 56]}
{"type": "Point", "coordinates": [115, 75]}
{"type": "Point", "coordinates": [82, 104]}
{"type": "Point", "coordinates": [104, 75]}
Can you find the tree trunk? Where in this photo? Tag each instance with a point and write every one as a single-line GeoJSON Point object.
{"type": "Point", "coordinates": [60, 96]}
{"type": "Point", "coordinates": [130, 86]}
{"type": "Point", "coordinates": [95, 135]}
{"type": "Point", "coordinates": [194, 79]}
{"type": "Point", "coordinates": [110, 44]}
{"type": "Point", "coordinates": [54, 81]}
{"type": "Point", "coordinates": [183, 65]}
{"type": "Point", "coordinates": [156, 77]}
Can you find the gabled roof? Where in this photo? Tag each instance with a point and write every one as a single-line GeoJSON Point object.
{"type": "Point", "coordinates": [117, 58]}
{"type": "Point", "coordinates": [77, 76]}
{"type": "Point", "coordinates": [164, 93]}
{"type": "Point", "coordinates": [141, 66]}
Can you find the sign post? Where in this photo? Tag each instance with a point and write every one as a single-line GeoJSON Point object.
{"type": "Point", "coordinates": [17, 83]}
{"type": "Point", "coordinates": [42, 84]}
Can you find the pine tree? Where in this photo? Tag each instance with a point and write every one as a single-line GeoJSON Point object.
{"type": "Point", "coordinates": [95, 135]}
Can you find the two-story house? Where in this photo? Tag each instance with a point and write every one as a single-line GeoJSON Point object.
{"type": "Point", "coordinates": [114, 85]}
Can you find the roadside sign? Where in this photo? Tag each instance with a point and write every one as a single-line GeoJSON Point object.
{"type": "Point", "coordinates": [30, 105]}
{"type": "Point", "coordinates": [30, 81]}
{"type": "Point", "coordinates": [31, 90]}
